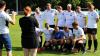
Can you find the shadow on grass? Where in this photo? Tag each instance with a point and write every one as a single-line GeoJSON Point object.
{"type": "Point", "coordinates": [55, 52]}
{"type": "Point", "coordinates": [14, 49]}
{"type": "Point", "coordinates": [17, 48]}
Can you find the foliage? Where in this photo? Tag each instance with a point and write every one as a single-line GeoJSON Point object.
{"type": "Point", "coordinates": [42, 3]}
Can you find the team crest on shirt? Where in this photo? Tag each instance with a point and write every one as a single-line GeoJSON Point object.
{"type": "Point", "coordinates": [71, 14]}
{"type": "Point", "coordinates": [91, 14]}
{"type": "Point", "coordinates": [52, 11]}
{"type": "Point", "coordinates": [62, 13]}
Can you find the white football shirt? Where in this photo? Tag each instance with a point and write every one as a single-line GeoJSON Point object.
{"type": "Point", "coordinates": [49, 15]}
{"type": "Point", "coordinates": [80, 17]}
{"type": "Point", "coordinates": [40, 19]}
{"type": "Point", "coordinates": [70, 18]}
{"type": "Point", "coordinates": [61, 19]}
{"type": "Point", "coordinates": [48, 33]}
{"type": "Point", "coordinates": [68, 34]}
{"type": "Point", "coordinates": [79, 32]}
{"type": "Point", "coordinates": [92, 17]}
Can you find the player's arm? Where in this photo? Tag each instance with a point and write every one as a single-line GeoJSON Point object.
{"type": "Point", "coordinates": [80, 38]}
{"type": "Point", "coordinates": [75, 19]}
{"type": "Point", "coordinates": [85, 21]}
{"type": "Point", "coordinates": [12, 18]}
{"type": "Point", "coordinates": [36, 22]}
{"type": "Point", "coordinates": [56, 22]}
{"type": "Point", "coordinates": [97, 17]}
{"type": "Point", "coordinates": [97, 20]}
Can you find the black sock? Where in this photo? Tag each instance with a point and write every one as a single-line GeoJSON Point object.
{"type": "Point", "coordinates": [82, 47]}
{"type": "Point", "coordinates": [95, 44]}
{"type": "Point", "coordinates": [89, 43]}
{"type": "Point", "coordinates": [56, 46]}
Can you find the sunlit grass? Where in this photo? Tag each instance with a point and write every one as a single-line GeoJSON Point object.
{"type": "Point", "coordinates": [15, 34]}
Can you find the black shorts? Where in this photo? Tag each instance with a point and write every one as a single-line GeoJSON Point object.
{"type": "Point", "coordinates": [52, 26]}
{"type": "Point", "coordinates": [85, 32]}
{"type": "Point", "coordinates": [92, 31]}
{"type": "Point", "coordinates": [77, 44]}
{"type": "Point", "coordinates": [61, 28]}
{"type": "Point", "coordinates": [30, 43]}
{"type": "Point", "coordinates": [71, 29]}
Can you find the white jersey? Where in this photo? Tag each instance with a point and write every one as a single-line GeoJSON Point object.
{"type": "Point", "coordinates": [61, 19]}
{"type": "Point", "coordinates": [70, 17]}
{"type": "Point", "coordinates": [48, 33]}
{"type": "Point", "coordinates": [40, 19]}
{"type": "Point", "coordinates": [92, 17]}
{"type": "Point", "coordinates": [49, 15]}
{"type": "Point", "coordinates": [79, 32]}
{"type": "Point", "coordinates": [80, 17]}
{"type": "Point", "coordinates": [68, 34]}
{"type": "Point", "coordinates": [3, 18]}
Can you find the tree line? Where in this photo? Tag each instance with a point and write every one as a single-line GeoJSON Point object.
{"type": "Point", "coordinates": [11, 4]}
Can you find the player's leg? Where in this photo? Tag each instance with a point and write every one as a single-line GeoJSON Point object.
{"type": "Point", "coordinates": [33, 52]}
{"type": "Point", "coordinates": [95, 43]}
{"type": "Point", "coordinates": [9, 53]}
{"type": "Point", "coordinates": [95, 39]}
{"type": "Point", "coordinates": [81, 44]}
{"type": "Point", "coordinates": [1, 45]}
{"type": "Point", "coordinates": [61, 44]}
{"type": "Point", "coordinates": [76, 47]}
{"type": "Point", "coordinates": [7, 44]}
{"type": "Point", "coordinates": [89, 38]}
{"type": "Point", "coordinates": [26, 52]}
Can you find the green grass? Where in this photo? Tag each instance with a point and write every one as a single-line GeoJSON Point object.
{"type": "Point", "coordinates": [15, 34]}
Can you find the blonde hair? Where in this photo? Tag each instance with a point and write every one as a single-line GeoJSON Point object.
{"type": "Point", "coordinates": [69, 5]}
{"type": "Point", "coordinates": [37, 9]}
{"type": "Point", "coordinates": [48, 4]}
{"type": "Point", "coordinates": [90, 5]}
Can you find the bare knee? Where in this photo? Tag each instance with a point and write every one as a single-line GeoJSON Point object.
{"type": "Point", "coordinates": [89, 37]}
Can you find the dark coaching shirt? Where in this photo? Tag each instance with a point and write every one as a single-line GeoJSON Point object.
{"type": "Point", "coordinates": [58, 35]}
{"type": "Point", "coordinates": [28, 25]}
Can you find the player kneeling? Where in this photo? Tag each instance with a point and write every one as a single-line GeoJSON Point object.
{"type": "Point", "coordinates": [68, 39]}
{"type": "Point", "coordinates": [47, 32]}
{"type": "Point", "coordinates": [79, 38]}
{"type": "Point", "coordinates": [58, 38]}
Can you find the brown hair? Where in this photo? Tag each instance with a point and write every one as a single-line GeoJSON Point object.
{"type": "Point", "coordinates": [75, 23]}
{"type": "Point", "coordinates": [66, 27]}
{"type": "Point", "coordinates": [59, 7]}
{"type": "Point", "coordinates": [2, 3]}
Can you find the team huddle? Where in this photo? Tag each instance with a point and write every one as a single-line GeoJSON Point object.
{"type": "Point", "coordinates": [65, 33]}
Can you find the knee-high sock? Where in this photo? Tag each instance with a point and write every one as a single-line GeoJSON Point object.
{"type": "Point", "coordinates": [89, 44]}
{"type": "Point", "coordinates": [82, 47]}
{"type": "Point", "coordinates": [95, 44]}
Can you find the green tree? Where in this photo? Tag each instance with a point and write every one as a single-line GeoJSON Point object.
{"type": "Point", "coordinates": [75, 3]}
{"type": "Point", "coordinates": [83, 3]}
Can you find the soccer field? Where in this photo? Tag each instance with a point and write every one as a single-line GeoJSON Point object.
{"type": "Point", "coordinates": [15, 34]}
